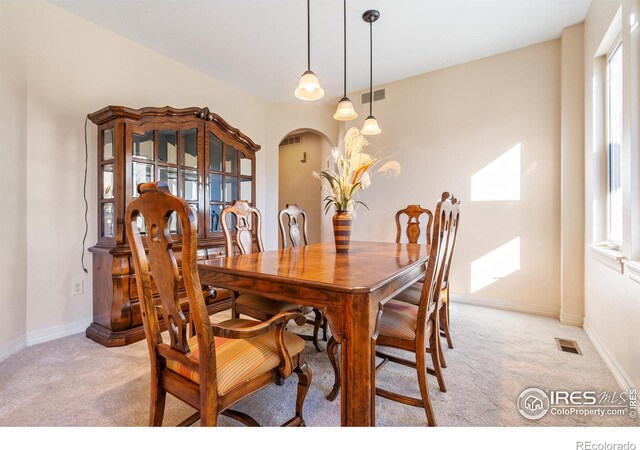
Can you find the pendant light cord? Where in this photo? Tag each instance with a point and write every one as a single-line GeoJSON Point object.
{"type": "Point", "coordinates": [308, 38]}
{"type": "Point", "coordinates": [84, 192]}
{"type": "Point", "coordinates": [370, 68]}
{"type": "Point", "coordinates": [345, 48]}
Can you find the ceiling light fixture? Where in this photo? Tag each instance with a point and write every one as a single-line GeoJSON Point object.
{"type": "Point", "coordinates": [345, 109]}
{"type": "Point", "coordinates": [370, 126]}
{"type": "Point", "coordinates": [309, 86]}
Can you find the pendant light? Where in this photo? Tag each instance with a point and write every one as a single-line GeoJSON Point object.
{"type": "Point", "coordinates": [309, 87]}
{"type": "Point", "coordinates": [345, 109]}
{"type": "Point", "coordinates": [370, 126]}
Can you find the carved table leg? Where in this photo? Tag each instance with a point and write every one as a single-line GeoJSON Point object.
{"type": "Point", "coordinates": [358, 361]}
{"type": "Point", "coordinates": [325, 336]}
{"type": "Point", "coordinates": [332, 351]}
{"type": "Point", "coordinates": [317, 323]}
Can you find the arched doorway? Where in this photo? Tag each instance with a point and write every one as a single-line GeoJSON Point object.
{"type": "Point", "coordinates": [300, 153]}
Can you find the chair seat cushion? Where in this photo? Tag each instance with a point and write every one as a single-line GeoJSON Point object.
{"type": "Point", "coordinates": [412, 294]}
{"type": "Point", "coordinates": [399, 319]}
{"type": "Point", "coordinates": [238, 360]}
{"type": "Point", "coordinates": [266, 305]}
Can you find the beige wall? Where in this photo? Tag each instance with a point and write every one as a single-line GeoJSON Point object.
{"type": "Point", "coordinates": [504, 122]}
{"type": "Point", "coordinates": [51, 79]}
{"type": "Point", "coordinates": [75, 68]}
{"type": "Point", "coordinates": [296, 183]}
{"type": "Point", "coordinates": [489, 132]}
{"type": "Point", "coordinates": [612, 304]}
{"type": "Point", "coordinates": [281, 120]}
{"type": "Point", "coordinates": [572, 176]}
{"type": "Point", "coordinates": [13, 181]}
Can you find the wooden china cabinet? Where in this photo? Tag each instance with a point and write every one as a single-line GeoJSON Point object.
{"type": "Point", "coordinates": [201, 158]}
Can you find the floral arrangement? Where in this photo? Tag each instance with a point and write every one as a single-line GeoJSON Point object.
{"type": "Point", "coordinates": [349, 170]}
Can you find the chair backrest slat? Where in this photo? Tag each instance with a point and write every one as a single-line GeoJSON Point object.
{"type": "Point", "coordinates": [446, 213]}
{"type": "Point", "coordinates": [248, 222]}
{"type": "Point", "coordinates": [454, 238]}
{"type": "Point", "coordinates": [412, 231]}
{"type": "Point", "coordinates": [156, 205]}
{"type": "Point", "coordinates": [297, 237]}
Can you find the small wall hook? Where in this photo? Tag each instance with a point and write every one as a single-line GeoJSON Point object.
{"type": "Point", "coordinates": [304, 157]}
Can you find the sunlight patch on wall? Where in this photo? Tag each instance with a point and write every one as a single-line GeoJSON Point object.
{"type": "Point", "coordinates": [499, 180]}
{"type": "Point", "coordinates": [495, 265]}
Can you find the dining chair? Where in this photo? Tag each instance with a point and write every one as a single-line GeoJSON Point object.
{"type": "Point", "coordinates": [412, 294]}
{"type": "Point", "coordinates": [412, 227]}
{"type": "Point", "coordinates": [412, 233]}
{"type": "Point", "coordinates": [444, 310]}
{"type": "Point", "coordinates": [247, 222]}
{"type": "Point", "coordinates": [221, 363]}
{"type": "Point", "coordinates": [409, 327]}
{"type": "Point", "coordinates": [298, 237]}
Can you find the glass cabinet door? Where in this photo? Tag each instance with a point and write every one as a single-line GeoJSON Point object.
{"type": "Point", "coordinates": [142, 168]}
{"type": "Point", "coordinates": [170, 176]}
{"type": "Point", "coordinates": [229, 178]}
{"type": "Point", "coordinates": [140, 173]}
{"type": "Point", "coordinates": [143, 145]}
{"type": "Point", "coordinates": [200, 158]}
{"type": "Point", "coordinates": [198, 162]}
{"type": "Point", "coordinates": [107, 181]}
{"type": "Point", "coordinates": [246, 189]}
{"type": "Point", "coordinates": [167, 147]}
{"type": "Point", "coordinates": [215, 179]}
{"type": "Point", "coordinates": [107, 220]}
{"type": "Point", "coordinates": [189, 140]}
{"type": "Point", "coordinates": [170, 155]}
{"type": "Point", "coordinates": [191, 187]}
{"type": "Point", "coordinates": [246, 165]}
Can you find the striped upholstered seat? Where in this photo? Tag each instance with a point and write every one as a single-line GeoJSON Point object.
{"type": "Point", "coordinates": [238, 360]}
{"type": "Point", "coordinates": [271, 307]}
{"type": "Point", "coordinates": [399, 320]}
{"type": "Point", "coordinates": [412, 294]}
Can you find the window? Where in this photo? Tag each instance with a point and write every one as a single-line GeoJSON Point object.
{"type": "Point", "coordinates": [614, 146]}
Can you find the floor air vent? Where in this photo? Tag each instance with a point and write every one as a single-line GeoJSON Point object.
{"type": "Point", "coordinates": [568, 346]}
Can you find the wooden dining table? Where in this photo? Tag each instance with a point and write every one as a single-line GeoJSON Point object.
{"type": "Point", "coordinates": [350, 289]}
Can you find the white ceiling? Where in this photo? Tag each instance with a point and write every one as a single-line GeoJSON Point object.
{"type": "Point", "coordinates": [260, 46]}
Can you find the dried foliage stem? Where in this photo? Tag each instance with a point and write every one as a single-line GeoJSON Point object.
{"type": "Point", "coordinates": [349, 170]}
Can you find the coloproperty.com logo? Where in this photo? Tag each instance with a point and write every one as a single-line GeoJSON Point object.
{"type": "Point", "coordinates": [534, 403]}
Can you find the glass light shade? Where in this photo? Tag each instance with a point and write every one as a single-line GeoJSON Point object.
{"type": "Point", "coordinates": [345, 110]}
{"type": "Point", "coordinates": [309, 87]}
{"type": "Point", "coordinates": [370, 126]}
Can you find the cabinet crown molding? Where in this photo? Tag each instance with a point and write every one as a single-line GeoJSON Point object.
{"type": "Point", "coordinates": [111, 112]}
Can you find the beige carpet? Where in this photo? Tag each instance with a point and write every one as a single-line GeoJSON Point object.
{"type": "Point", "coordinates": [76, 382]}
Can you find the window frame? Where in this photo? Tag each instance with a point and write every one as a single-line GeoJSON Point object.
{"type": "Point", "coordinates": [615, 47]}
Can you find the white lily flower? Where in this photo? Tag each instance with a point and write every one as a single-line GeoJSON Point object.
{"type": "Point", "coordinates": [335, 153]}
{"type": "Point", "coordinates": [349, 170]}
{"type": "Point", "coordinates": [365, 180]}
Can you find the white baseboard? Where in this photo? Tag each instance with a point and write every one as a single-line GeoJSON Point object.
{"type": "Point", "coordinates": [549, 311]}
{"type": "Point", "coordinates": [616, 369]}
{"type": "Point", "coordinates": [49, 334]}
{"type": "Point", "coordinates": [12, 347]}
{"type": "Point", "coordinates": [574, 320]}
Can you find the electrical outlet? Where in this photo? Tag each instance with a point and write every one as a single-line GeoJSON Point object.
{"type": "Point", "coordinates": [77, 287]}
